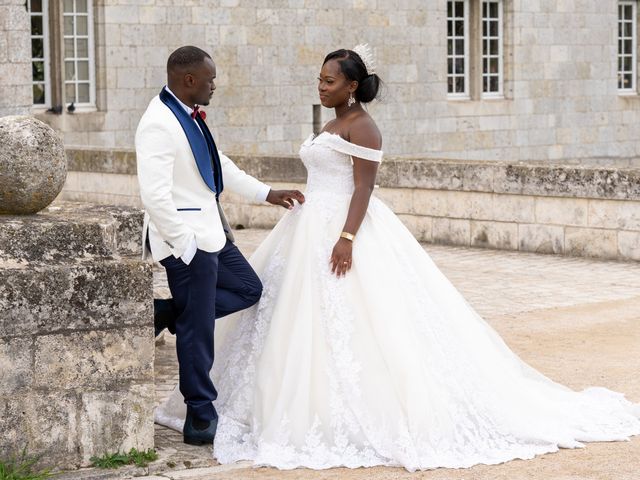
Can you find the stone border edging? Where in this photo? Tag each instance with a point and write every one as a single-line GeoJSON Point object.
{"type": "Point", "coordinates": [616, 183]}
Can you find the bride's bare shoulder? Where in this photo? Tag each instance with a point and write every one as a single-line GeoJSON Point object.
{"type": "Point", "coordinates": [363, 131]}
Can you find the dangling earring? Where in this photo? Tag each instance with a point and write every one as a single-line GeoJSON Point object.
{"type": "Point", "coordinates": [351, 100]}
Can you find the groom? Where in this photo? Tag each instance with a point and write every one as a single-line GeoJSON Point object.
{"type": "Point", "coordinates": [181, 175]}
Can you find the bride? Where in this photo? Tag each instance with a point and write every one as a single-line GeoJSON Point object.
{"type": "Point", "coordinates": [361, 352]}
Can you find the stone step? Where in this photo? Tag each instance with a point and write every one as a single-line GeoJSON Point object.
{"type": "Point", "coordinates": [64, 427]}
{"type": "Point", "coordinates": [76, 334]}
{"type": "Point", "coordinates": [69, 230]}
{"type": "Point", "coordinates": [39, 298]}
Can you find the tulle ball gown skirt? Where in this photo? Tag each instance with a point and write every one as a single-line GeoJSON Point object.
{"type": "Point", "coordinates": [386, 366]}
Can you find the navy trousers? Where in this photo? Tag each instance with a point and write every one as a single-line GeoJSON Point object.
{"type": "Point", "coordinates": [211, 286]}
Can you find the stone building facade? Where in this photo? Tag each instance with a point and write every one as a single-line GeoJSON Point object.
{"type": "Point", "coordinates": [15, 64]}
{"type": "Point", "coordinates": [540, 80]}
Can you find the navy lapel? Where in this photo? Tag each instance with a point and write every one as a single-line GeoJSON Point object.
{"type": "Point", "coordinates": [217, 167]}
{"type": "Point", "coordinates": [196, 139]}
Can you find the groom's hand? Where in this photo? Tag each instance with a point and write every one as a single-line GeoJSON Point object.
{"type": "Point", "coordinates": [285, 198]}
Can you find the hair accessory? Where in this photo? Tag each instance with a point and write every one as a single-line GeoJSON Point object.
{"type": "Point", "coordinates": [366, 54]}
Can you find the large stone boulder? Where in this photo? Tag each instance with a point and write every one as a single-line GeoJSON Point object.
{"type": "Point", "coordinates": [33, 166]}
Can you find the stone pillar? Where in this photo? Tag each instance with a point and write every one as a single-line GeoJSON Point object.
{"type": "Point", "coordinates": [15, 58]}
{"type": "Point", "coordinates": [76, 337]}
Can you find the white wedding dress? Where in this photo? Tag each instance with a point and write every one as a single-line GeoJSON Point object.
{"type": "Point", "coordinates": [386, 366]}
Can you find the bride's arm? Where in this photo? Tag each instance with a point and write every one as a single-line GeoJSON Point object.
{"type": "Point", "coordinates": [365, 134]}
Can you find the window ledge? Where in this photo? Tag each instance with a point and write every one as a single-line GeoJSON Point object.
{"type": "Point", "coordinates": [83, 109]}
{"type": "Point", "coordinates": [38, 109]}
{"type": "Point", "coordinates": [627, 93]}
{"type": "Point", "coordinates": [497, 96]}
{"type": "Point", "coordinates": [459, 98]}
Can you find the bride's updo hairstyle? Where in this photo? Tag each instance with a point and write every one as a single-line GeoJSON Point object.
{"type": "Point", "coordinates": [353, 68]}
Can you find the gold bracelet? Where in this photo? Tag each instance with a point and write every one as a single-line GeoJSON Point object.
{"type": "Point", "coordinates": [348, 236]}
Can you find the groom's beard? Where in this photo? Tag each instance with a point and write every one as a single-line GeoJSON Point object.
{"type": "Point", "coordinates": [206, 101]}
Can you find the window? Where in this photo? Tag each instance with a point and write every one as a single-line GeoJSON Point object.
{"type": "Point", "coordinates": [475, 49]}
{"type": "Point", "coordinates": [492, 48]}
{"type": "Point", "coordinates": [78, 42]}
{"type": "Point", "coordinates": [62, 43]}
{"type": "Point", "coordinates": [458, 49]}
{"type": "Point", "coordinates": [39, 16]}
{"type": "Point", "coordinates": [627, 47]}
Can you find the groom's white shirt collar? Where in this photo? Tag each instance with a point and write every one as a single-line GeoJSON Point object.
{"type": "Point", "coordinates": [187, 108]}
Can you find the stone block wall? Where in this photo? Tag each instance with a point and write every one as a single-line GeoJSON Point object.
{"type": "Point", "coordinates": [584, 227]}
{"type": "Point", "coordinates": [568, 209]}
{"type": "Point", "coordinates": [560, 92]}
{"type": "Point", "coordinates": [15, 59]}
{"type": "Point", "coordinates": [76, 338]}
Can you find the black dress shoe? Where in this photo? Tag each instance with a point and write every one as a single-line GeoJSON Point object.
{"type": "Point", "coordinates": [164, 315]}
{"type": "Point", "coordinates": [199, 432]}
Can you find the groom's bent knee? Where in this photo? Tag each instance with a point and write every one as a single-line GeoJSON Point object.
{"type": "Point", "coordinates": [254, 293]}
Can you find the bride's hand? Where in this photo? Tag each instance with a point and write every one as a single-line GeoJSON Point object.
{"type": "Point", "coordinates": [341, 257]}
{"type": "Point", "coordinates": [285, 198]}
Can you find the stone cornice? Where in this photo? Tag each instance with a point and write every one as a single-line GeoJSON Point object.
{"type": "Point", "coordinates": [581, 181]}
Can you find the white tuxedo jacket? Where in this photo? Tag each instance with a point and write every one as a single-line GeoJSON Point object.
{"type": "Point", "coordinates": [178, 204]}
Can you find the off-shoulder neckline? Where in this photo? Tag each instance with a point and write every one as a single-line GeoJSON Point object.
{"type": "Point", "coordinates": [313, 137]}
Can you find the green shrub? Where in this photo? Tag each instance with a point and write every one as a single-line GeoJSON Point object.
{"type": "Point", "coordinates": [115, 460]}
{"type": "Point", "coordinates": [22, 468]}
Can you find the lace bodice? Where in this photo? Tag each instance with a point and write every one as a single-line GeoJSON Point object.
{"type": "Point", "coordinates": [327, 159]}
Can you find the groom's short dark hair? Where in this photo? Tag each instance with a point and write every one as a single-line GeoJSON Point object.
{"type": "Point", "coordinates": [185, 57]}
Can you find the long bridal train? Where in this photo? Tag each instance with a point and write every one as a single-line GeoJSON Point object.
{"type": "Point", "coordinates": [387, 366]}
